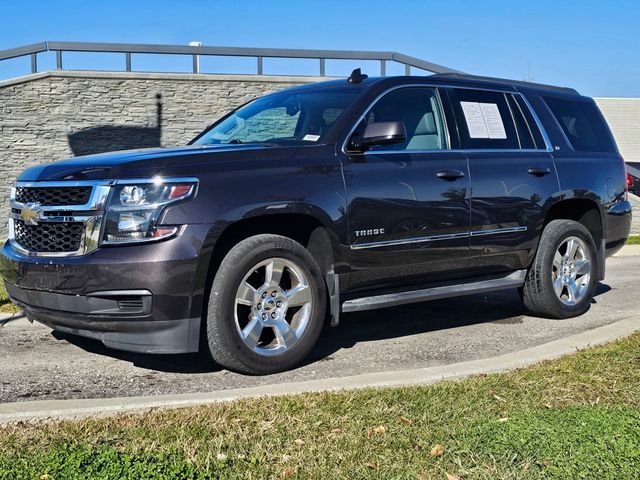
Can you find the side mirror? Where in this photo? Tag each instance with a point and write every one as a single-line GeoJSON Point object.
{"type": "Point", "coordinates": [381, 133]}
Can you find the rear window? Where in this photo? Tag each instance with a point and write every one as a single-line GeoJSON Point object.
{"type": "Point", "coordinates": [583, 124]}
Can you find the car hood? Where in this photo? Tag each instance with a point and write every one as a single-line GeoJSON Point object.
{"type": "Point", "coordinates": [142, 163]}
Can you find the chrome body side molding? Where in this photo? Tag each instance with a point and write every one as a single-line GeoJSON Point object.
{"type": "Point", "coordinates": [433, 238]}
{"type": "Point", "coordinates": [479, 233]}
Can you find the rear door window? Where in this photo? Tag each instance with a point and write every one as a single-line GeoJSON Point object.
{"type": "Point", "coordinates": [484, 120]}
{"type": "Point", "coordinates": [582, 123]}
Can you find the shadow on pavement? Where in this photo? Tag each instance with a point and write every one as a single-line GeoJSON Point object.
{"type": "Point", "coordinates": [501, 308]}
{"type": "Point", "coordinates": [179, 363]}
{"type": "Point", "coordinates": [16, 316]}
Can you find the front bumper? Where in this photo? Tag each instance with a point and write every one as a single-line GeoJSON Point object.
{"type": "Point", "coordinates": [141, 298]}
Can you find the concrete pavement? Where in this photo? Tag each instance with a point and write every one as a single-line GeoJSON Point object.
{"type": "Point", "coordinates": [411, 344]}
{"type": "Point", "coordinates": [60, 409]}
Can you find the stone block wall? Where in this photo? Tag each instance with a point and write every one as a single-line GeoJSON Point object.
{"type": "Point", "coordinates": [56, 115]}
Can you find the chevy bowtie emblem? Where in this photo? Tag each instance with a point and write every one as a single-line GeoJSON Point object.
{"type": "Point", "coordinates": [31, 213]}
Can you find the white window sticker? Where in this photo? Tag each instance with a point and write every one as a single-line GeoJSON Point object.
{"type": "Point", "coordinates": [493, 120]}
{"type": "Point", "coordinates": [483, 120]}
{"type": "Point", "coordinates": [475, 120]}
{"type": "Point", "coordinates": [311, 138]}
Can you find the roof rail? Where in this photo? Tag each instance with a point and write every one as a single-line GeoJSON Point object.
{"type": "Point", "coordinates": [130, 49]}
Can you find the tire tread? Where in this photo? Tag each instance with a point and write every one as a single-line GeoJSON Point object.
{"type": "Point", "coordinates": [538, 294]}
{"type": "Point", "coordinates": [222, 349]}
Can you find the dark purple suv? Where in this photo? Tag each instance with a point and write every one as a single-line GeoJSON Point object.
{"type": "Point", "coordinates": [319, 200]}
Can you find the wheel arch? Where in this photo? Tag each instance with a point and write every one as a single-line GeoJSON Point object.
{"type": "Point", "coordinates": [586, 211]}
{"type": "Point", "coordinates": [306, 229]}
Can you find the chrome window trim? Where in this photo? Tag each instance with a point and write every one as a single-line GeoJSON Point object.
{"type": "Point", "coordinates": [545, 137]}
{"type": "Point", "coordinates": [513, 119]}
{"type": "Point", "coordinates": [443, 116]}
{"type": "Point", "coordinates": [433, 238]}
{"type": "Point", "coordinates": [536, 119]}
{"type": "Point", "coordinates": [457, 150]}
{"type": "Point", "coordinates": [524, 117]}
{"type": "Point", "coordinates": [533, 113]}
{"type": "Point", "coordinates": [92, 213]}
{"type": "Point", "coordinates": [389, 90]}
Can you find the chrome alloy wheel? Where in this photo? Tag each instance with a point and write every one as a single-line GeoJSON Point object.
{"type": "Point", "coordinates": [273, 306]}
{"type": "Point", "coordinates": [571, 271]}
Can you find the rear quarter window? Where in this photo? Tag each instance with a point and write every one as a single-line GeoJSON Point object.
{"type": "Point", "coordinates": [583, 124]}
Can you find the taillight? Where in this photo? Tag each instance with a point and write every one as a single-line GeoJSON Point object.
{"type": "Point", "coordinates": [629, 181]}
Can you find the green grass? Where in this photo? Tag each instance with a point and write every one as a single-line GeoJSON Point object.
{"type": "Point", "coordinates": [6, 305]}
{"type": "Point", "coordinates": [572, 418]}
{"type": "Point", "coordinates": [633, 240]}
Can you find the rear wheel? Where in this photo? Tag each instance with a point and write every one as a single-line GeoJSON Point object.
{"type": "Point", "coordinates": [266, 306]}
{"type": "Point", "coordinates": [562, 280]}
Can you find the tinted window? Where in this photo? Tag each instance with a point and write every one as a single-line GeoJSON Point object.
{"type": "Point", "coordinates": [583, 124]}
{"type": "Point", "coordinates": [295, 117]}
{"type": "Point", "coordinates": [533, 126]}
{"type": "Point", "coordinates": [419, 109]}
{"type": "Point", "coordinates": [525, 136]}
{"type": "Point", "coordinates": [484, 120]}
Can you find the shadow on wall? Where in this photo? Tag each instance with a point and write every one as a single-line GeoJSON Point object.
{"type": "Point", "coordinates": [108, 138]}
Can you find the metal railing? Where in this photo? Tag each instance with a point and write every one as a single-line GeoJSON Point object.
{"type": "Point", "coordinates": [130, 49]}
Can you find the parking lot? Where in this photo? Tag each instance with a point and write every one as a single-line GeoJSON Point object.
{"type": "Point", "coordinates": [36, 363]}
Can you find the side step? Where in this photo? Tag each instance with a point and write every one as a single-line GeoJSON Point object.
{"type": "Point", "coordinates": [512, 280]}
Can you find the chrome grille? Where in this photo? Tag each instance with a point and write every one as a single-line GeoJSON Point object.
{"type": "Point", "coordinates": [54, 196]}
{"type": "Point", "coordinates": [49, 237]}
{"type": "Point", "coordinates": [58, 218]}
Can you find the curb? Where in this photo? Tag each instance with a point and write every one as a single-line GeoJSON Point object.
{"type": "Point", "coordinates": [8, 317]}
{"type": "Point", "coordinates": [66, 409]}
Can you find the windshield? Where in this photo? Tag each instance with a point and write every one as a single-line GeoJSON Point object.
{"type": "Point", "coordinates": [287, 118]}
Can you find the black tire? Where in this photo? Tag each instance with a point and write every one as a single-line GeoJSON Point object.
{"type": "Point", "coordinates": [538, 291]}
{"type": "Point", "coordinates": [222, 337]}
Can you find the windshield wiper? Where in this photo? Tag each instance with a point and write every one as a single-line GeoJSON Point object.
{"type": "Point", "coordinates": [235, 141]}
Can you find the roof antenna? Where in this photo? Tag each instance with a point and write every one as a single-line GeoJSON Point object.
{"type": "Point", "coordinates": [357, 76]}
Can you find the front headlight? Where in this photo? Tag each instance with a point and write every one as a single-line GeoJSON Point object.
{"type": "Point", "coordinates": [134, 209]}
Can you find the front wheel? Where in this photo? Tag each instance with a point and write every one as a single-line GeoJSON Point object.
{"type": "Point", "coordinates": [562, 279]}
{"type": "Point", "coordinates": [266, 306]}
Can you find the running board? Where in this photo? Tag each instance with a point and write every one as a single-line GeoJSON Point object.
{"type": "Point", "coordinates": [513, 280]}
